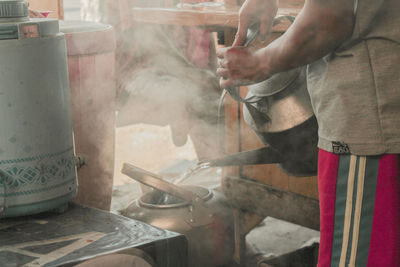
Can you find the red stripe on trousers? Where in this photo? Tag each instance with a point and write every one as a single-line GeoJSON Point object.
{"type": "Point", "coordinates": [385, 237]}
{"type": "Point", "coordinates": [328, 164]}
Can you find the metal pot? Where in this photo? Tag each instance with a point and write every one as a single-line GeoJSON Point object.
{"type": "Point", "coordinates": [279, 111]}
{"type": "Point", "coordinates": [201, 214]}
{"type": "Point", "coordinates": [284, 120]}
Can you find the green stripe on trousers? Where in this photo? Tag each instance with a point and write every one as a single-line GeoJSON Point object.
{"type": "Point", "coordinates": [340, 208]}
{"type": "Point", "coordinates": [367, 209]}
{"type": "Point", "coordinates": [353, 212]}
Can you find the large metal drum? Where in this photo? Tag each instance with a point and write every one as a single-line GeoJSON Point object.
{"type": "Point", "coordinates": [37, 166]}
{"type": "Point", "coordinates": [91, 58]}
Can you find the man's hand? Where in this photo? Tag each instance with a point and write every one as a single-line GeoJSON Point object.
{"type": "Point", "coordinates": [255, 11]}
{"type": "Point", "coordinates": [240, 66]}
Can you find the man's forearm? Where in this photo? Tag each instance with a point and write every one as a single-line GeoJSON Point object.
{"type": "Point", "coordinates": [321, 26]}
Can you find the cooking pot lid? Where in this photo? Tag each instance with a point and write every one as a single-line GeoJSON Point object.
{"type": "Point", "coordinates": [277, 83]}
{"type": "Point", "coordinates": [155, 181]}
{"type": "Point", "coordinates": [85, 37]}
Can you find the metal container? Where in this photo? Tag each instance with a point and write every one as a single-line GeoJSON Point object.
{"type": "Point", "coordinates": [283, 119]}
{"type": "Point", "coordinates": [202, 215]}
{"type": "Point", "coordinates": [90, 49]}
{"type": "Point", "coordinates": [279, 111]}
{"type": "Point", "coordinates": [37, 166]}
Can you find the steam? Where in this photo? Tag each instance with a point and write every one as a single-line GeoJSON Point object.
{"type": "Point", "coordinates": [94, 10]}
{"type": "Point", "coordinates": [165, 76]}
{"type": "Point", "coordinates": [159, 85]}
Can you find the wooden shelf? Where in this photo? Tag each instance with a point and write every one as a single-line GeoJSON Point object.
{"type": "Point", "coordinates": [188, 17]}
{"type": "Point", "coordinates": [208, 17]}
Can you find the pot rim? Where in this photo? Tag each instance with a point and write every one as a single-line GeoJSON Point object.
{"type": "Point", "coordinates": [206, 197]}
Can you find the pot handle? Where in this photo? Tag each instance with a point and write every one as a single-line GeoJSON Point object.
{"type": "Point", "coordinates": [155, 181]}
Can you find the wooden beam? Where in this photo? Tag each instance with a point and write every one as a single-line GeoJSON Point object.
{"type": "Point", "coordinates": [265, 200]}
{"type": "Point", "coordinates": [215, 17]}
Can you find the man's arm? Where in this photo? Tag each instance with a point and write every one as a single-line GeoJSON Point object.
{"type": "Point", "coordinates": [320, 27]}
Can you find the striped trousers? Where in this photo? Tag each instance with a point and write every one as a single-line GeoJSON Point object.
{"type": "Point", "coordinates": [360, 210]}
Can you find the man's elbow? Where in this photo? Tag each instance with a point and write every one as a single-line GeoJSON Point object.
{"type": "Point", "coordinates": [338, 20]}
{"type": "Point", "coordinates": [333, 19]}
{"type": "Point", "coordinates": [342, 28]}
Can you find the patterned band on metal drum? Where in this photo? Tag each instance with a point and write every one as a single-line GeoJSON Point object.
{"type": "Point", "coordinates": [36, 179]}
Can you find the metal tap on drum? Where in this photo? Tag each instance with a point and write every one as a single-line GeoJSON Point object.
{"type": "Point", "coordinates": [37, 166]}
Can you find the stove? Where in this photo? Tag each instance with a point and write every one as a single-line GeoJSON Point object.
{"type": "Point", "coordinates": [82, 235]}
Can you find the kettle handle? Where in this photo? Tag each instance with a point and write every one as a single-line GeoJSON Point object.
{"type": "Point", "coordinates": [155, 181]}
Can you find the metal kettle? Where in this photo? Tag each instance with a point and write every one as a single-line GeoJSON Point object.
{"type": "Point", "coordinates": [279, 111]}
{"type": "Point", "coordinates": [201, 214]}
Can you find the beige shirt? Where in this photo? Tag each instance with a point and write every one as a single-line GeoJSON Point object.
{"type": "Point", "coordinates": [355, 91]}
